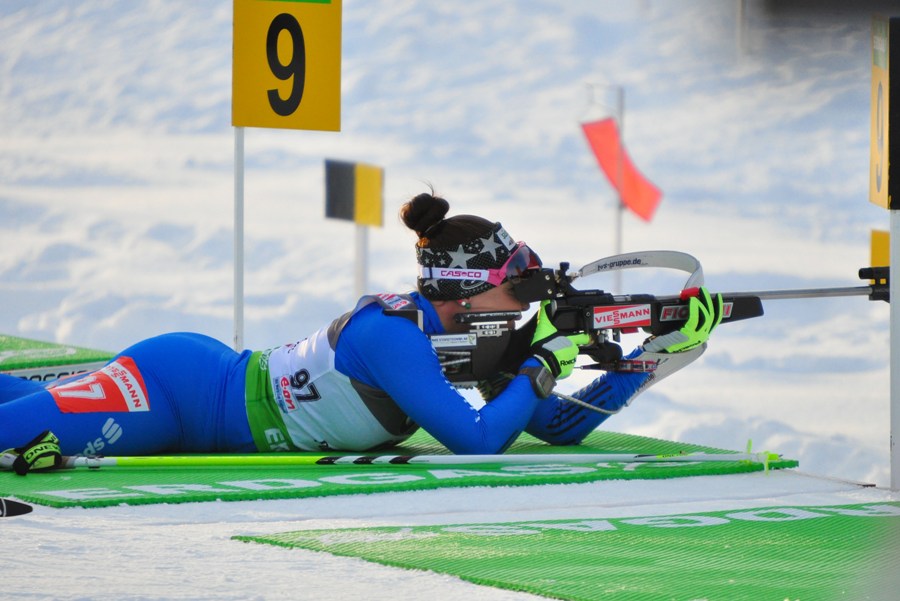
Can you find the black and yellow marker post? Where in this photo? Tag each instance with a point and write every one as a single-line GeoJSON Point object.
{"type": "Point", "coordinates": [355, 192]}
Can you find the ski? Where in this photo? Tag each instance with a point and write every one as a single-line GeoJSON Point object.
{"type": "Point", "coordinates": [9, 508]}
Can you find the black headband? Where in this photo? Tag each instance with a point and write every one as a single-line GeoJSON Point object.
{"type": "Point", "coordinates": [488, 251]}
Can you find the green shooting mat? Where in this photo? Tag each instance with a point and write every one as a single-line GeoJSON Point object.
{"type": "Point", "coordinates": [45, 361]}
{"type": "Point", "coordinates": [106, 486]}
{"type": "Point", "coordinates": [790, 553]}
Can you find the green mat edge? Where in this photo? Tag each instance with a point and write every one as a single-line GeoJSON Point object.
{"type": "Point", "coordinates": [704, 469]}
{"type": "Point", "coordinates": [598, 441]}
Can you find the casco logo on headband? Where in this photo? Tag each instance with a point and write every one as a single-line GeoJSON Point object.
{"type": "Point", "coordinates": [453, 273]}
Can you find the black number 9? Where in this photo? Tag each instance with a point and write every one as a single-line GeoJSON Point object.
{"type": "Point", "coordinates": [295, 69]}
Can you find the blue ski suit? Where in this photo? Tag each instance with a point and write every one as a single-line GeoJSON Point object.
{"type": "Point", "coordinates": [366, 381]}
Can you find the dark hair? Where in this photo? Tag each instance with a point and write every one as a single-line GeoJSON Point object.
{"type": "Point", "coordinates": [425, 215]}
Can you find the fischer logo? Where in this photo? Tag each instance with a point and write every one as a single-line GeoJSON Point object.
{"type": "Point", "coordinates": [623, 316]}
{"type": "Point", "coordinates": [681, 312]}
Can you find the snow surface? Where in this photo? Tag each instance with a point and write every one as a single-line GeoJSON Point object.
{"type": "Point", "coordinates": [116, 219]}
{"type": "Point", "coordinates": [186, 552]}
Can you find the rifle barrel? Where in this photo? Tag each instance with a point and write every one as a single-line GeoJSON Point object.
{"type": "Point", "coordinates": [806, 293]}
{"type": "Point", "coordinates": [797, 293]}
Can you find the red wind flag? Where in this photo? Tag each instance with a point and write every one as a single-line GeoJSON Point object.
{"type": "Point", "coordinates": [637, 192]}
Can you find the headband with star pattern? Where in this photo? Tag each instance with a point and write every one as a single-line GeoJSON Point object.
{"type": "Point", "coordinates": [487, 252]}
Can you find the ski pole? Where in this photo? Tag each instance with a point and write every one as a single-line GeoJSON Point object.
{"type": "Point", "coordinates": [288, 460]}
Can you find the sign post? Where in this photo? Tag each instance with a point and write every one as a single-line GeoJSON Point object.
{"type": "Point", "coordinates": [884, 190]}
{"type": "Point", "coordinates": [286, 74]}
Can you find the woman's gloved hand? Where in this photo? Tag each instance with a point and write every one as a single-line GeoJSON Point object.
{"type": "Point", "coordinates": [704, 314]}
{"type": "Point", "coordinates": [556, 351]}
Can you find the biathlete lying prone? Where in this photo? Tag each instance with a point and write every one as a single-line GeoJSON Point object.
{"type": "Point", "coordinates": [368, 380]}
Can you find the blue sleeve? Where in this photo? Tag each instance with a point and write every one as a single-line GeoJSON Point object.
{"type": "Point", "coordinates": [561, 422]}
{"type": "Point", "coordinates": [392, 354]}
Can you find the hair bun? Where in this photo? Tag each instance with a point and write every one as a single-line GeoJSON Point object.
{"type": "Point", "coordinates": [424, 212]}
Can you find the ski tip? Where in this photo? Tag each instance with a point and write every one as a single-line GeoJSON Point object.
{"type": "Point", "coordinates": [10, 508]}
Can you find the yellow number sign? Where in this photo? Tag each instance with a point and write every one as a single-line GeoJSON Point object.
{"type": "Point", "coordinates": [286, 70]}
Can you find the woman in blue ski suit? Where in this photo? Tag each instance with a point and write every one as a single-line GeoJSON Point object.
{"type": "Point", "coordinates": [367, 380]}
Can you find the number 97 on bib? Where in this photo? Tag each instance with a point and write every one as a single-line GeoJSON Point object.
{"type": "Point", "coordinates": [286, 69]}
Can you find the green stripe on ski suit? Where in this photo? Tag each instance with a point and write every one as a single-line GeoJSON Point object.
{"type": "Point", "coordinates": [266, 424]}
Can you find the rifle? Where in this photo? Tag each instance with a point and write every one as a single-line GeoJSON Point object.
{"type": "Point", "coordinates": [493, 345]}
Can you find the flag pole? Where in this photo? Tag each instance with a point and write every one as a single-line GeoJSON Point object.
{"type": "Point", "coordinates": [362, 242]}
{"type": "Point", "coordinates": [620, 212]}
